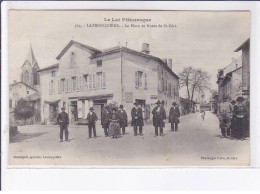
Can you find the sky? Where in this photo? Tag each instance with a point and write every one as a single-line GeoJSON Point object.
{"type": "Point", "coordinates": [199, 39]}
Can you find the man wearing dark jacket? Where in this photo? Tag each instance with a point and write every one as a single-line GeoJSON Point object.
{"type": "Point", "coordinates": [137, 119]}
{"type": "Point", "coordinates": [174, 117]}
{"type": "Point", "coordinates": [159, 115]}
{"type": "Point", "coordinates": [105, 115]}
{"type": "Point", "coordinates": [92, 118]}
{"type": "Point", "coordinates": [122, 119]}
{"type": "Point", "coordinates": [63, 121]}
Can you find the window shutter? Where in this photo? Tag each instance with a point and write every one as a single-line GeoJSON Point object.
{"type": "Point", "coordinates": [53, 87]}
{"type": "Point", "coordinates": [145, 81]}
{"type": "Point", "coordinates": [80, 83]}
{"type": "Point", "coordinates": [86, 81]}
{"type": "Point", "coordinates": [136, 79]}
{"type": "Point", "coordinates": [49, 87]}
{"type": "Point", "coordinates": [58, 86]}
{"type": "Point", "coordinates": [90, 81]}
{"type": "Point", "coordinates": [70, 84]}
{"type": "Point", "coordinates": [103, 80]}
{"type": "Point", "coordinates": [77, 83]}
{"type": "Point", "coordinates": [94, 81]}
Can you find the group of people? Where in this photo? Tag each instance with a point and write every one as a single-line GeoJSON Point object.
{"type": "Point", "coordinates": [114, 120]}
{"type": "Point", "coordinates": [233, 118]}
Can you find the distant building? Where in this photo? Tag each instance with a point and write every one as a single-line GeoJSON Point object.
{"type": "Point", "coordinates": [186, 106]}
{"type": "Point", "coordinates": [28, 87]}
{"type": "Point", "coordinates": [245, 48]}
{"type": "Point", "coordinates": [230, 80]}
{"type": "Point", "coordinates": [85, 76]}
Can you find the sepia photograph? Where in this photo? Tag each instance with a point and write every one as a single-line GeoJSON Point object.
{"type": "Point", "coordinates": [128, 88]}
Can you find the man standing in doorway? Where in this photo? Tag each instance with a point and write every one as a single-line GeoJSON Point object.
{"type": "Point", "coordinates": [122, 118]}
{"type": "Point", "coordinates": [174, 117]}
{"type": "Point", "coordinates": [92, 118]}
{"type": "Point", "coordinates": [63, 121]}
{"type": "Point", "coordinates": [137, 119]}
{"type": "Point", "coordinates": [159, 116]}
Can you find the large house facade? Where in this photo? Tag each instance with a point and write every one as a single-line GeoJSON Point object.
{"type": "Point", "coordinates": [87, 77]}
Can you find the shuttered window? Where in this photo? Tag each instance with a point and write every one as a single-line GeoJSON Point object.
{"type": "Point", "coordinates": [85, 80]}
{"type": "Point", "coordinates": [94, 81]}
{"type": "Point", "coordinates": [90, 81]}
{"type": "Point", "coordinates": [136, 79]}
{"type": "Point", "coordinates": [104, 80]}
{"type": "Point", "coordinates": [58, 86]}
{"type": "Point", "coordinates": [49, 87]}
{"type": "Point", "coordinates": [145, 81]}
{"type": "Point", "coordinates": [99, 80]}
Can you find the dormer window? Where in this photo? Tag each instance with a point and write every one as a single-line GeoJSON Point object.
{"type": "Point", "coordinates": [99, 63]}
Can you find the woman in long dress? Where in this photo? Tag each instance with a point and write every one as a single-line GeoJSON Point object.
{"type": "Point", "coordinates": [114, 124]}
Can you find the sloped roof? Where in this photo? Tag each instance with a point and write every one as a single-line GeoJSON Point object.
{"type": "Point", "coordinates": [49, 67]}
{"type": "Point", "coordinates": [244, 44]}
{"type": "Point", "coordinates": [77, 43]}
{"type": "Point", "coordinates": [23, 84]}
{"type": "Point", "coordinates": [118, 49]}
{"type": "Point", "coordinates": [233, 66]}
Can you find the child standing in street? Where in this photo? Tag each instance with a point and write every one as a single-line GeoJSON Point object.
{"type": "Point", "coordinates": [203, 113]}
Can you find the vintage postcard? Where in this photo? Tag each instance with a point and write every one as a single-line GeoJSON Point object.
{"type": "Point", "coordinates": [128, 88]}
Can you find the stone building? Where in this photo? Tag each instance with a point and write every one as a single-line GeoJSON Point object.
{"type": "Point", "coordinates": [230, 80]}
{"type": "Point", "coordinates": [245, 48]}
{"type": "Point", "coordinates": [85, 76]}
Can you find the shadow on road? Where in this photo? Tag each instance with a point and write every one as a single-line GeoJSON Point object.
{"type": "Point", "coordinates": [24, 136]}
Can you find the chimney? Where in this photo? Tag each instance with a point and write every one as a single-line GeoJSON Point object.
{"type": "Point", "coordinates": [145, 48]}
{"type": "Point", "coordinates": [170, 63]}
{"type": "Point", "coordinates": [165, 61]}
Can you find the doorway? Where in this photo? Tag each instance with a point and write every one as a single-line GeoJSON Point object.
{"type": "Point", "coordinates": [98, 106]}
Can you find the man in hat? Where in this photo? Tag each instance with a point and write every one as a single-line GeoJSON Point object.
{"type": "Point", "coordinates": [105, 115]}
{"type": "Point", "coordinates": [240, 115]}
{"type": "Point", "coordinates": [122, 118]}
{"type": "Point", "coordinates": [92, 118]}
{"type": "Point", "coordinates": [224, 115]}
{"type": "Point", "coordinates": [63, 121]}
{"type": "Point", "coordinates": [137, 119]}
{"type": "Point", "coordinates": [174, 117]}
{"type": "Point", "coordinates": [159, 115]}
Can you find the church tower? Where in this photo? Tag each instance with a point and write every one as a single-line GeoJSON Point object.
{"type": "Point", "coordinates": [29, 74]}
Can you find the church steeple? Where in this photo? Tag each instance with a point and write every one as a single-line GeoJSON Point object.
{"type": "Point", "coordinates": [29, 73]}
{"type": "Point", "coordinates": [30, 56]}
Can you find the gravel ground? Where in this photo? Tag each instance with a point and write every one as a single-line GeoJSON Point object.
{"type": "Point", "coordinates": [197, 143]}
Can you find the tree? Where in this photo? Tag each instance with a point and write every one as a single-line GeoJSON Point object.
{"type": "Point", "coordinates": [194, 80]}
{"type": "Point", "coordinates": [23, 111]}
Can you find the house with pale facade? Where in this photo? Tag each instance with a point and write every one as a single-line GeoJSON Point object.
{"type": "Point", "coordinates": [230, 80]}
{"type": "Point", "coordinates": [87, 77]}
